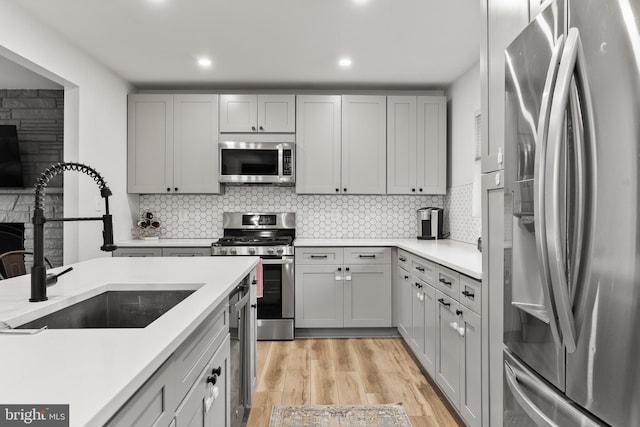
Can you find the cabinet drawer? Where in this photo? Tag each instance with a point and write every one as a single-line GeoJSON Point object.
{"type": "Point", "coordinates": [449, 282]}
{"type": "Point", "coordinates": [186, 251]}
{"type": "Point", "coordinates": [470, 293]}
{"type": "Point", "coordinates": [153, 404]}
{"type": "Point", "coordinates": [367, 255]}
{"type": "Point", "coordinates": [403, 259]}
{"type": "Point", "coordinates": [424, 270]}
{"type": "Point", "coordinates": [192, 356]}
{"type": "Point", "coordinates": [319, 256]}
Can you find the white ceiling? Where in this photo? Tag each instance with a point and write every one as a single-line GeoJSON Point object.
{"type": "Point", "coordinates": [273, 43]}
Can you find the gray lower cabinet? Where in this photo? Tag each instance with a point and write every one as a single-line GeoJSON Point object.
{"type": "Point", "coordinates": [343, 287]}
{"type": "Point", "coordinates": [448, 341]}
{"type": "Point", "coordinates": [471, 368]}
{"type": "Point", "coordinates": [161, 251]}
{"type": "Point", "coordinates": [404, 302]}
{"type": "Point", "coordinates": [207, 403]}
{"type": "Point", "coordinates": [319, 296]}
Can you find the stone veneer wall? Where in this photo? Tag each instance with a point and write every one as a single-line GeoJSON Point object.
{"type": "Point", "coordinates": [318, 216]}
{"type": "Point", "coordinates": [463, 226]}
{"type": "Point", "coordinates": [39, 117]}
{"type": "Point", "coordinates": [16, 205]}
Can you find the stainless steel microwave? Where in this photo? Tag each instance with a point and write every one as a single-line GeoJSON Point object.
{"type": "Point", "coordinates": [257, 162]}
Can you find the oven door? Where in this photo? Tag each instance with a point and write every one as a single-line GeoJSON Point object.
{"type": "Point", "coordinates": [276, 307]}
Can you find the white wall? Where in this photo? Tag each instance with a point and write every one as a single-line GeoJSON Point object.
{"type": "Point", "coordinates": [463, 97]}
{"type": "Point", "coordinates": [95, 125]}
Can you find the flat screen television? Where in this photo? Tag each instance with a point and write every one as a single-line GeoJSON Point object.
{"type": "Point", "coordinates": [10, 164]}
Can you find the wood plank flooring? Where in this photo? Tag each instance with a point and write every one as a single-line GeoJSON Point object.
{"type": "Point", "coordinates": [343, 372]}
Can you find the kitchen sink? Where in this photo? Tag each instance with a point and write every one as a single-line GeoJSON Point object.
{"type": "Point", "coordinates": [112, 309]}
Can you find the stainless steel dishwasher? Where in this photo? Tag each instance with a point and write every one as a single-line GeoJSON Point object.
{"type": "Point", "coordinates": [239, 324]}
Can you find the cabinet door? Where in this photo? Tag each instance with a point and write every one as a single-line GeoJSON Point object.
{"type": "Point", "coordinates": [405, 301]}
{"type": "Point", "coordinates": [471, 369]}
{"type": "Point", "coordinates": [318, 142]}
{"type": "Point", "coordinates": [367, 296]}
{"type": "Point", "coordinates": [195, 158]}
{"type": "Point", "coordinates": [364, 144]}
{"type": "Point", "coordinates": [432, 145]}
{"type": "Point", "coordinates": [319, 296]}
{"type": "Point", "coordinates": [137, 252]}
{"type": "Point", "coordinates": [448, 342]}
{"type": "Point", "coordinates": [238, 113]}
{"type": "Point", "coordinates": [276, 113]}
{"type": "Point", "coordinates": [401, 145]}
{"type": "Point", "coordinates": [253, 336]}
{"type": "Point", "coordinates": [417, 316]}
{"type": "Point", "coordinates": [150, 143]}
{"type": "Point", "coordinates": [430, 312]}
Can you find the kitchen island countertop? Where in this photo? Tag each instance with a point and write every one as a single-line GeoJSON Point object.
{"type": "Point", "coordinates": [96, 371]}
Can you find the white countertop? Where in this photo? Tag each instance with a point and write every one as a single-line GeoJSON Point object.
{"type": "Point", "coordinates": [462, 257]}
{"type": "Point", "coordinates": [96, 371]}
{"type": "Point", "coordinates": [150, 243]}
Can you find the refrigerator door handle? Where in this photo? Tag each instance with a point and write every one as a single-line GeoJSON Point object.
{"type": "Point", "coordinates": [557, 260]}
{"type": "Point", "coordinates": [523, 400]}
{"type": "Point", "coordinates": [540, 172]}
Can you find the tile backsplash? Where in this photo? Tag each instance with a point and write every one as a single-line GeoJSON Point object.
{"type": "Point", "coordinates": [463, 226]}
{"type": "Point", "coordinates": [318, 216]}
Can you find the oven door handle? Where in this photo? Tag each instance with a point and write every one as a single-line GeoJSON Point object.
{"type": "Point", "coordinates": [235, 308]}
{"type": "Point", "coordinates": [277, 261]}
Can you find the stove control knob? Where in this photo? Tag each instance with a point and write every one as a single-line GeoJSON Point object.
{"type": "Point", "coordinates": [222, 251]}
{"type": "Point", "coordinates": [280, 250]}
{"type": "Point", "coordinates": [252, 251]}
{"type": "Point", "coordinates": [233, 251]}
{"type": "Point", "coordinates": [269, 250]}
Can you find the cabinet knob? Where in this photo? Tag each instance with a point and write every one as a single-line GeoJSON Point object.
{"type": "Point", "coordinates": [458, 312]}
{"type": "Point", "coordinates": [217, 371]}
{"type": "Point", "coordinates": [420, 190]}
{"type": "Point", "coordinates": [168, 189]}
{"type": "Point", "coordinates": [337, 190]}
{"type": "Point", "coordinates": [253, 128]}
{"type": "Point", "coordinates": [344, 189]}
{"type": "Point", "coordinates": [406, 277]}
{"type": "Point", "coordinates": [339, 268]}
{"type": "Point", "coordinates": [254, 305]}
{"type": "Point", "coordinates": [347, 269]}
{"type": "Point", "coordinates": [413, 189]}
{"type": "Point", "coordinates": [261, 128]}
{"type": "Point", "coordinates": [213, 379]}
{"type": "Point", "coordinates": [176, 188]}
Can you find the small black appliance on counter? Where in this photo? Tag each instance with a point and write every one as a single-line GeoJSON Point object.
{"type": "Point", "coordinates": [430, 221]}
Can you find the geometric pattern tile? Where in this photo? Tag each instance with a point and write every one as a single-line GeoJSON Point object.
{"type": "Point", "coordinates": [463, 226]}
{"type": "Point", "coordinates": [317, 216]}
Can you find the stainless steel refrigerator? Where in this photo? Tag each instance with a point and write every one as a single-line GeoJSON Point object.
{"type": "Point", "coordinates": [572, 230]}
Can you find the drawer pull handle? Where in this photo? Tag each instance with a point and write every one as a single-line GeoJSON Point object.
{"type": "Point", "coordinates": [420, 269]}
{"type": "Point", "coordinates": [402, 259]}
{"type": "Point", "coordinates": [217, 371]}
{"type": "Point", "coordinates": [418, 285]}
{"type": "Point", "coordinates": [213, 379]}
{"type": "Point", "coordinates": [469, 294]}
{"type": "Point", "coordinates": [366, 256]}
{"type": "Point", "coordinates": [406, 277]}
{"type": "Point", "coordinates": [443, 281]}
{"type": "Point", "coordinates": [441, 301]}
{"type": "Point", "coordinates": [319, 256]}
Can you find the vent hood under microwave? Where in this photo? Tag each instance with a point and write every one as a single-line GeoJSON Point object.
{"type": "Point", "coordinates": [243, 162]}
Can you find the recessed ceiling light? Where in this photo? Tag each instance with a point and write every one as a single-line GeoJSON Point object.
{"type": "Point", "coordinates": [344, 62]}
{"type": "Point", "coordinates": [361, 1]}
{"type": "Point", "coordinates": [204, 62]}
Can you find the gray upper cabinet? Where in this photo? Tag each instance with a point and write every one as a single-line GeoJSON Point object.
{"type": "Point", "coordinates": [364, 153]}
{"type": "Point", "coordinates": [172, 144]}
{"type": "Point", "coordinates": [502, 22]}
{"type": "Point", "coordinates": [416, 145]}
{"type": "Point", "coordinates": [318, 144]}
{"type": "Point", "coordinates": [257, 113]}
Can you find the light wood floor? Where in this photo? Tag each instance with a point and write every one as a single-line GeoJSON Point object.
{"type": "Point", "coordinates": [343, 372]}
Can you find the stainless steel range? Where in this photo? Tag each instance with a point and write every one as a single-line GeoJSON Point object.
{"type": "Point", "coordinates": [268, 235]}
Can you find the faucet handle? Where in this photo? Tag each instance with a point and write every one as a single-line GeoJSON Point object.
{"type": "Point", "coordinates": [52, 278]}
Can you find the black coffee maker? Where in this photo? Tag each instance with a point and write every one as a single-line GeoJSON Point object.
{"type": "Point", "coordinates": [430, 222]}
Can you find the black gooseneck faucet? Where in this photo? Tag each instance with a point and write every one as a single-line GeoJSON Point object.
{"type": "Point", "coordinates": [39, 277]}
